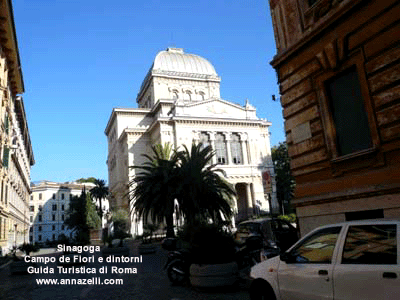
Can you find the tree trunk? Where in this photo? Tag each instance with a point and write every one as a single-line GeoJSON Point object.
{"type": "Point", "coordinates": [101, 213]}
{"type": "Point", "coordinates": [170, 227]}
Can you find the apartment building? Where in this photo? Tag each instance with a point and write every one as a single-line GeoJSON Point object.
{"type": "Point", "coordinates": [48, 208]}
{"type": "Point", "coordinates": [16, 155]}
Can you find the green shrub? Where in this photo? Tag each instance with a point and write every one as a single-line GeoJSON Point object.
{"type": "Point", "coordinates": [292, 218]}
{"type": "Point", "coordinates": [28, 248]}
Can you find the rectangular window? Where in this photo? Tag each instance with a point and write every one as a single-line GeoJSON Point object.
{"type": "Point", "coordinates": [40, 237]}
{"type": "Point", "coordinates": [348, 112]}
{"type": "Point", "coordinates": [62, 196]}
{"type": "Point", "coordinates": [317, 248]}
{"type": "Point", "coordinates": [62, 217]}
{"type": "Point", "coordinates": [236, 150]}
{"type": "Point", "coordinates": [364, 215]}
{"type": "Point", "coordinates": [32, 208]}
{"type": "Point", "coordinates": [31, 219]}
{"type": "Point", "coordinates": [7, 123]}
{"type": "Point", "coordinates": [40, 228]}
{"type": "Point", "coordinates": [370, 245]}
{"type": "Point", "coordinates": [54, 207]}
{"type": "Point", "coordinates": [54, 236]}
{"type": "Point", "coordinates": [6, 155]}
{"type": "Point", "coordinates": [2, 189]}
{"type": "Point", "coordinates": [40, 207]}
{"type": "Point", "coordinates": [54, 196]}
{"type": "Point", "coordinates": [40, 218]}
{"type": "Point", "coordinates": [54, 217]}
{"type": "Point", "coordinates": [220, 148]}
{"type": "Point", "coordinates": [53, 227]}
{"type": "Point", "coordinates": [6, 195]}
{"type": "Point", "coordinates": [40, 196]}
{"type": "Point", "coordinates": [62, 207]}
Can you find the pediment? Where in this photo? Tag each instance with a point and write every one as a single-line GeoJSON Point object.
{"type": "Point", "coordinates": [213, 108]}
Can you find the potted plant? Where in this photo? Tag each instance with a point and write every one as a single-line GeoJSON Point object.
{"type": "Point", "coordinates": [18, 265]}
{"type": "Point", "coordinates": [146, 246]}
{"type": "Point", "coordinates": [213, 255]}
{"type": "Point", "coordinates": [120, 220]}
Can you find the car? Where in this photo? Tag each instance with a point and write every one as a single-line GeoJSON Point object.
{"type": "Point", "coordinates": [350, 260]}
{"type": "Point", "coordinates": [273, 231]}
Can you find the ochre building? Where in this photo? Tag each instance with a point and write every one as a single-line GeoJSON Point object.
{"type": "Point", "coordinates": [338, 66]}
{"type": "Point", "coordinates": [16, 155]}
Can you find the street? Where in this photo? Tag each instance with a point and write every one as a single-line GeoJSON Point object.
{"type": "Point", "coordinates": [150, 282]}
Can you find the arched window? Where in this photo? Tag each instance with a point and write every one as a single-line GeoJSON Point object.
{"type": "Point", "coordinates": [202, 96]}
{"type": "Point", "coordinates": [175, 94]}
{"type": "Point", "coordinates": [188, 95]}
{"type": "Point", "coordinates": [220, 148]}
{"type": "Point", "coordinates": [236, 149]}
{"type": "Point", "coordinates": [204, 139]}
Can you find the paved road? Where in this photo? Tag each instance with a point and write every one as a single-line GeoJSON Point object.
{"type": "Point", "coordinates": [150, 282]}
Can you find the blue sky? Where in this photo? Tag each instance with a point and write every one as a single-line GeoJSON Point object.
{"type": "Point", "coordinates": [81, 58]}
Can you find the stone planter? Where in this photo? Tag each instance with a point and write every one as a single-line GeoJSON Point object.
{"type": "Point", "coordinates": [211, 276]}
{"type": "Point", "coordinates": [96, 236]}
{"type": "Point", "coordinates": [116, 251]}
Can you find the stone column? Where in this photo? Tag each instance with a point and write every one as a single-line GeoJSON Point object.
{"type": "Point", "coordinates": [228, 148]}
{"type": "Point", "coordinates": [212, 142]}
{"type": "Point", "coordinates": [243, 140]}
{"type": "Point", "coordinates": [250, 208]}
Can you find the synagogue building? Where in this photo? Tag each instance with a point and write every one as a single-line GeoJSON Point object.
{"type": "Point", "coordinates": [179, 102]}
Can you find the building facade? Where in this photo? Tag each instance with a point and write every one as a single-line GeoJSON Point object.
{"type": "Point", "coordinates": [179, 103]}
{"type": "Point", "coordinates": [338, 69]}
{"type": "Point", "coordinates": [48, 207]}
{"type": "Point", "coordinates": [16, 155]}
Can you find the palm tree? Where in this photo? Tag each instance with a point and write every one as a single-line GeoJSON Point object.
{"type": "Point", "coordinates": [203, 194]}
{"type": "Point", "coordinates": [154, 188]}
{"type": "Point", "coordinates": [100, 191]}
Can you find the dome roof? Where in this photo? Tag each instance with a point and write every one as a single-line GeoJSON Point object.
{"type": "Point", "coordinates": [175, 60]}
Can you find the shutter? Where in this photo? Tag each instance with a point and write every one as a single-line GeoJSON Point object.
{"type": "Point", "coordinates": [6, 155]}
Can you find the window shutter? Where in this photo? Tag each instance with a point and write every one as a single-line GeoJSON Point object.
{"type": "Point", "coordinates": [6, 155]}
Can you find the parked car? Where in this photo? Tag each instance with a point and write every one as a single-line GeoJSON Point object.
{"type": "Point", "coordinates": [352, 260]}
{"type": "Point", "coordinates": [274, 232]}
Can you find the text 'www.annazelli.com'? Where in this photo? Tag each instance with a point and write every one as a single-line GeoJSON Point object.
{"type": "Point", "coordinates": [79, 281]}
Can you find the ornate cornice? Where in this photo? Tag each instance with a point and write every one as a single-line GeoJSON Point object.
{"type": "Point", "coordinates": [185, 75]}
{"type": "Point", "coordinates": [215, 121]}
{"type": "Point", "coordinates": [9, 46]}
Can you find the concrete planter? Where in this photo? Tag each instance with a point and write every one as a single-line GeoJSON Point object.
{"type": "Point", "coordinates": [117, 251]}
{"type": "Point", "coordinates": [211, 276]}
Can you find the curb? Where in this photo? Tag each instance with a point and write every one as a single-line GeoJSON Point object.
{"type": "Point", "coordinates": [5, 265]}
